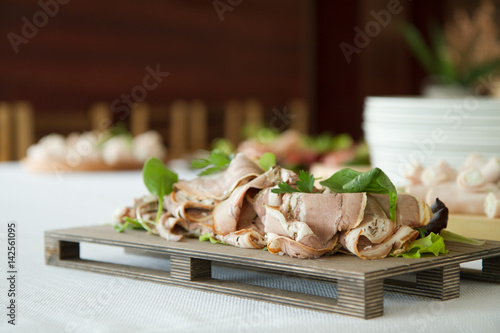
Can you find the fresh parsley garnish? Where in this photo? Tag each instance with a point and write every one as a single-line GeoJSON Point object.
{"type": "Point", "coordinates": [372, 181]}
{"type": "Point", "coordinates": [305, 184]}
{"type": "Point", "coordinates": [217, 161]}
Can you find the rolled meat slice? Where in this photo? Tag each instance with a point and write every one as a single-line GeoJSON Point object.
{"type": "Point", "coordinates": [410, 210]}
{"type": "Point", "coordinates": [285, 245]}
{"type": "Point", "coordinates": [439, 173]}
{"type": "Point", "coordinates": [474, 160]}
{"type": "Point", "coordinates": [184, 207]}
{"type": "Point", "coordinates": [171, 228]}
{"type": "Point", "coordinates": [471, 179]}
{"type": "Point", "coordinates": [244, 238]}
{"type": "Point", "coordinates": [491, 170]}
{"type": "Point", "coordinates": [492, 205]}
{"type": "Point", "coordinates": [174, 229]}
{"type": "Point", "coordinates": [413, 172]}
{"type": "Point", "coordinates": [358, 244]}
{"type": "Point", "coordinates": [457, 201]}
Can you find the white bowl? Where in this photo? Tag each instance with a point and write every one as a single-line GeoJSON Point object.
{"type": "Point", "coordinates": [402, 130]}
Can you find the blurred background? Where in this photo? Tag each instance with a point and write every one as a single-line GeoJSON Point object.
{"type": "Point", "coordinates": [63, 57]}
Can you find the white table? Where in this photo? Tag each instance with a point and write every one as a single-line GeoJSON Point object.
{"type": "Point", "coordinates": [52, 299]}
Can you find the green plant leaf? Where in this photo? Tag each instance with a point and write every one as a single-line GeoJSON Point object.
{"type": "Point", "coordinates": [372, 181]}
{"type": "Point", "coordinates": [431, 244]}
{"type": "Point", "coordinates": [445, 69]}
{"type": "Point", "coordinates": [305, 184]}
{"type": "Point", "coordinates": [159, 180]}
{"type": "Point", "coordinates": [449, 236]}
{"type": "Point", "coordinates": [267, 160]}
{"type": "Point", "coordinates": [209, 237]}
{"type": "Point", "coordinates": [284, 188]}
{"type": "Point", "coordinates": [476, 72]}
{"type": "Point", "coordinates": [217, 161]}
{"type": "Point", "coordinates": [419, 47]}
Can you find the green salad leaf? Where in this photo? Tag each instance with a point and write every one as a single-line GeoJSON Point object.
{"type": "Point", "coordinates": [217, 161]}
{"type": "Point", "coordinates": [372, 181]}
{"type": "Point", "coordinates": [267, 160]}
{"type": "Point", "coordinates": [305, 184]}
{"type": "Point", "coordinates": [453, 237]}
{"type": "Point", "coordinates": [433, 243]}
{"type": "Point", "coordinates": [159, 180]}
{"type": "Point", "coordinates": [208, 236]}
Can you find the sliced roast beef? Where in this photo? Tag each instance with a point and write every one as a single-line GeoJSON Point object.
{"type": "Point", "coordinates": [220, 186]}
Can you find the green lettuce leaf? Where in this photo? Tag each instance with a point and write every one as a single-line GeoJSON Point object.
{"type": "Point", "coordinates": [431, 244]}
{"type": "Point", "coordinates": [453, 237]}
{"type": "Point", "coordinates": [208, 236]}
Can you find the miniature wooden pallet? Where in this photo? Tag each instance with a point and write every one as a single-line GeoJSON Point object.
{"type": "Point", "coordinates": [360, 283]}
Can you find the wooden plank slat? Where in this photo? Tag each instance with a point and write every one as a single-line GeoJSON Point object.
{"type": "Point", "coordinates": [198, 126]}
{"type": "Point", "coordinates": [100, 116]}
{"type": "Point", "coordinates": [140, 119]}
{"type": "Point", "coordinates": [24, 127]}
{"type": "Point", "coordinates": [178, 129]}
{"type": "Point", "coordinates": [5, 132]}
{"type": "Point", "coordinates": [299, 115]}
{"type": "Point", "coordinates": [233, 121]}
{"type": "Point", "coordinates": [254, 113]}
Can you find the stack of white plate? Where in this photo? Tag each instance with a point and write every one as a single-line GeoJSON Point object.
{"type": "Point", "coordinates": [404, 130]}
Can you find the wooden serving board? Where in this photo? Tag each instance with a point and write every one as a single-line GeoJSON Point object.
{"type": "Point", "coordinates": [360, 283]}
{"type": "Point", "coordinates": [475, 226]}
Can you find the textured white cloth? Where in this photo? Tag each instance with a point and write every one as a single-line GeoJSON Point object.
{"type": "Point", "coordinates": [52, 299]}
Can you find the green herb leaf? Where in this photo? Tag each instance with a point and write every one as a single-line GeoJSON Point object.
{"type": "Point", "coordinates": [217, 161]}
{"type": "Point", "coordinates": [305, 184]}
{"type": "Point", "coordinates": [431, 244]}
{"type": "Point", "coordinates": [284, 188]}
{"type": "Point", "coordinates": [449, 236]}
{"type": "Point", "coordinates": [373, 181]}
{"type": "Point", "coordinates": [129, 224]}
{"type": "Point", "coordinates": [159, 180]}
{"type": "Point", "coordinates": [267, 160]}
{"type": "Point", "coordinates": [208, 236]}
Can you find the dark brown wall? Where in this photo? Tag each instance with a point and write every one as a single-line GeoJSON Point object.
{"type": "Point", "coordinates": [98, 50]}
{"type": "Point", "coordinates": [271, 50]}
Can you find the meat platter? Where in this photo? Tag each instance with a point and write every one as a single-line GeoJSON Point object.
{"type": "Point", "coordinates": [360, 283]}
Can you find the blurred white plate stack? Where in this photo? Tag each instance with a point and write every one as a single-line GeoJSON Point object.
{"type": "Point", "coordinates": [404, 130]}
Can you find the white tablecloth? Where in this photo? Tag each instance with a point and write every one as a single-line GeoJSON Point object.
{"type": "Point", "coordinates": [52, 299]}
